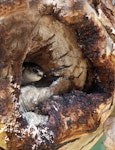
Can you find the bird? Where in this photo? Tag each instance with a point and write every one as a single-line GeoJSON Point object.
{"type": "Point", "coordinates": [34, 91]}
{"type": "Point", "coordinates": [31, 95]}
{"type": "Point", "coordinates": [31, 72]}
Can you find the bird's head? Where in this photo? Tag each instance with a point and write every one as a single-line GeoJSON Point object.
{"type": "Point", "coordinates": [31, 73]}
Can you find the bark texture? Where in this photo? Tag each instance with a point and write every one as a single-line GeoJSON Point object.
{"type": "Point", "coordinates": [70, 39]}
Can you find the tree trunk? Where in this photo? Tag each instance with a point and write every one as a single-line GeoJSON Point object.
{"type": "Point", "coordinates": [73, 41]}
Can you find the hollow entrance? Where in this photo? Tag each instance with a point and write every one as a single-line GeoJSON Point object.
{"type": "Point", "coordinates": [55, 51]}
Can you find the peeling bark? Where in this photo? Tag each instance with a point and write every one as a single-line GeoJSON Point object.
{"type": "Point", "coordinates": [71, 39]}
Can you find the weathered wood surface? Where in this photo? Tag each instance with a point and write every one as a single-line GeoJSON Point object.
{"type": "Point", "coordinates": [78, 34]}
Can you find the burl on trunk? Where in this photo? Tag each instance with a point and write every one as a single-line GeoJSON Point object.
{"type": "Point", "coordinates": [72, 44]}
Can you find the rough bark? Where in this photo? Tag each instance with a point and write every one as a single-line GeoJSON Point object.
{"type": "Point", "coordinates": [76, 36]}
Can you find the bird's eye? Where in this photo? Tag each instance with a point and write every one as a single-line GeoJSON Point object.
{"type": "Point", "coordinates": [35, 71]}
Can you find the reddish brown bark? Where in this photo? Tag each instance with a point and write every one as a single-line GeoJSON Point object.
{"type": "Point", "coordinates": [25, 27]}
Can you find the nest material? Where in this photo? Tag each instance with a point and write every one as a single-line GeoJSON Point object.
{"type": "Point", "coordinates": [77, 36]}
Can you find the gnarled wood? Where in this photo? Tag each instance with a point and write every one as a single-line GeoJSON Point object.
{"type": "Point", "coordinates": [76, 36]}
